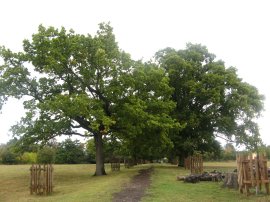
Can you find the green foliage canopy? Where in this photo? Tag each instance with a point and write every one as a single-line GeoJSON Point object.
{"type": "Point", "coordinates": [211, 100]}
{"type": "Point", "coordinates": [73, 81]}
{"type": "Point", "coordinates": [70, 152]}
{"type": "Point", "coordinates": [46, 155]}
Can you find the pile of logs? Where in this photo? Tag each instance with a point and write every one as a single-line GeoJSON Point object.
{"type": "Point", "coordinates": [194, 178]}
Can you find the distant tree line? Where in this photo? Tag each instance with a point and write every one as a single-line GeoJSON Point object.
{"type": "Point", "coordinates": [66, 152]}
{"type": "Point", "coordinates": [74, 152]}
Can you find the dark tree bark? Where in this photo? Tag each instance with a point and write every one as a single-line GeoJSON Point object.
{"type": "Point", "coordinates": [181, 161]}
{"type": "Point", "coordinates": [100, 169]}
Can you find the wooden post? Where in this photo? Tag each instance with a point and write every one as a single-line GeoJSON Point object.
{"type": "Point", "coordinates": [31, 180]}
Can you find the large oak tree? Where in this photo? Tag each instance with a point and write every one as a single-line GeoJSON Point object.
{"type": "Point", "coordinates": [72, 82]}
{"type": "Point", "coordinates": [212, 101]}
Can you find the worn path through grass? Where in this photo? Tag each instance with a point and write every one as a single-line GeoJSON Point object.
{"type": "Point", "coordinates": [135, 190]}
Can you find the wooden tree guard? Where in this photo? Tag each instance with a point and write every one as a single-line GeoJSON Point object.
{"type": "Point", "coordinates": [41, 179]}
{"type": "Point", "coordinates": [187, 163]}
{"type": "Point", "coordinates": [194, 163]}
{"type": "Point", "coordinates": [115, 164]}
{"type": "Point", "coordinates": [252, 172]}
{"type": "Point", "coordinates": [128, 162]}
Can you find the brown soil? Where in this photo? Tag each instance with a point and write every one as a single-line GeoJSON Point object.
{"type": "Point", "coordinates": [135, 190]}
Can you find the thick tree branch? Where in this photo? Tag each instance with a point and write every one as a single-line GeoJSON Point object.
{"type": "Point", "coordinates": [83, 123]}
{"type": "Point", "coordinates": [77, 126]}
{"type": "Point", "coordinates": [228, 140]}
{"type": "Point", "coordinates": [94, 91]}
{"type": "Point", "coordinates": [76, 133]}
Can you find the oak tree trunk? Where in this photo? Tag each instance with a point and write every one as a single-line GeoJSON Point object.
{"type": "Point", "coordinates": [181, 160]}
{"type": "Point", "coordinates": [100, 169]}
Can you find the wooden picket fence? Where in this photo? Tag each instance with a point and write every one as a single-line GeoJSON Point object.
{"type": "Point", "coordinates": [252, 172]}
{"type": "Point", "coordinates": [41, 179]}
{"type": "Point", "coordinates": [194, 164]}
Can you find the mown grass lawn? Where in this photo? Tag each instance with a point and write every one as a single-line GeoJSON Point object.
{"type": "Point", "coordinates": [165, 187]}
{"type": "Point", "coordinates": [71, 183]}
{"type": "Point", "coordinates": [77, 183]}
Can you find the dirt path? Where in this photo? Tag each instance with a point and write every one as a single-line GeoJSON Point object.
{"type": "Point", "coordinates": [135, 190]}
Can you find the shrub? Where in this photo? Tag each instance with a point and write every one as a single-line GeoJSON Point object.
{"type": "Point", "coordinates": [46, 155]}
{"type": "Point", "coordinates": [70, 152]}
{"type": "Point", "coordinates": [29, 157]}
{"type": "Point", "coordinates": [8, 157]}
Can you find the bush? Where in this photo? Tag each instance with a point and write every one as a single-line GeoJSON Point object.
{"type": "Point", "coordinates": [46, 155]}
{"type": "Point", "coordinates": [71, 152]}
{"type": "Point", "coordinates": [8, 157]}
{"type": "Point", "coordinates": [29, 157]}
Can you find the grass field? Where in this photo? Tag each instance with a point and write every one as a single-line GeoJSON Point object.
{"type": "Point", "coordinates": [77, 183]}
{"type": "Point", "coordinates": [71, 182]}
{"type": "Point", "coordinates": [165, 187]}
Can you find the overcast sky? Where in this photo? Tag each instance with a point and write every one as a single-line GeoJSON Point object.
{"type": "Point", "coordinates": [236, 31]}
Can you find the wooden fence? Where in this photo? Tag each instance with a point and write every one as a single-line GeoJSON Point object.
{"type": "Point", "coordinates": [194, 164]}
{"type": "Point", "coordinates": [252, 172]}
{"type": "Point", "coordinates": [128, 162]}
{"type": "Point", "coordinates": [187, 163]}
{"type": "Point", "coordinates": [41, 179]}
{"type": "Point", "coordinates": [115, 164]}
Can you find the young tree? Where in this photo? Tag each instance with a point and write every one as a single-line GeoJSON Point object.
{"type": "Point", "coordinates": [74, 81]}
{"type": "Point", "coordinates": [211, 100]}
